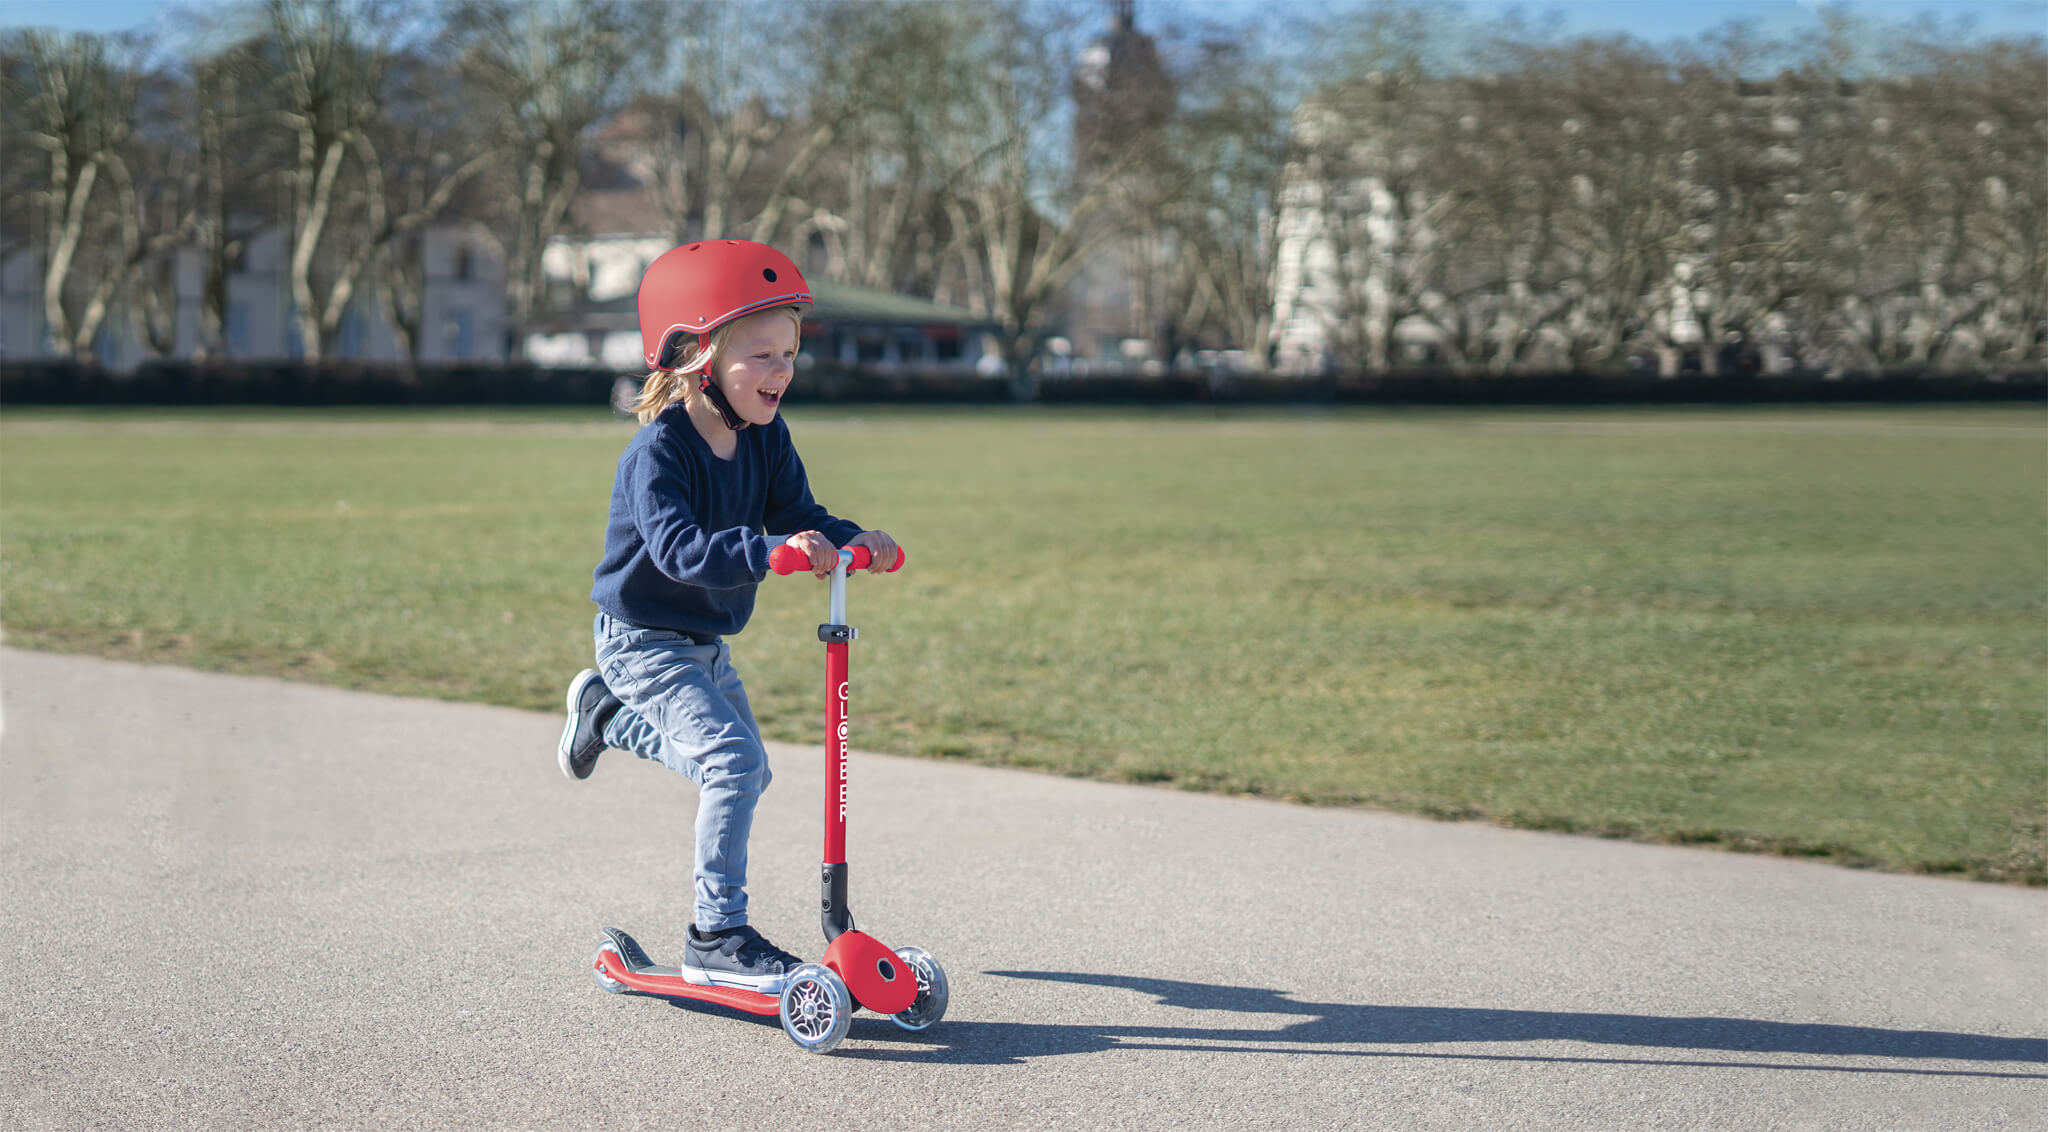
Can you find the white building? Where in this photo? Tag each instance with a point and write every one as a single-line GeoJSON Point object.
{"type": "Point", "coordinates": [1313, 292]}
{"type": "Point", "coordinates": [461, 307]}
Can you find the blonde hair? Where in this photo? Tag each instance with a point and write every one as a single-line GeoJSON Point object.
{"type": "Point", "coordinates": [664, 387]}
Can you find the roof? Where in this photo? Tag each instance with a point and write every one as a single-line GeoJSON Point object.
{"type": "Point", "coordinates": [838, 304]}
{"type": "Point", "coordinates": [843, 304]}
{"type": "Point", "coordinates": [611, 212]}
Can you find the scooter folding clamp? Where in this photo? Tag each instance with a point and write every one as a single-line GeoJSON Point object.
{"type": "Point", "coordinates": [837, 634]}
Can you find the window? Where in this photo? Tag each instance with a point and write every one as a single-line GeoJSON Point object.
{"type": "Point", "coordinates": [461, 333]}
{"type": "Point", "coordinates": [237, 328]}
{"type": "Point", "coordinates": [348, 337]}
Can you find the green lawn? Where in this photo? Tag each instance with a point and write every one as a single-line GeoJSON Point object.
{"type": "Point", "coordinates": [1817, 632]}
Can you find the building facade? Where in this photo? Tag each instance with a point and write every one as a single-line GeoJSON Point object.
{"type": "Point", "coordinates": [458, 309]}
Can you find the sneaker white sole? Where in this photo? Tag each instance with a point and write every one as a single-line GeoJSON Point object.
{"type": "Point", "coordinates": [567, 745]}
{"type": "Point", "coordinates": [763, 984]}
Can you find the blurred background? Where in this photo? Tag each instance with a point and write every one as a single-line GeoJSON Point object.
{"type": "Point", "coordinates": [1019, 192]}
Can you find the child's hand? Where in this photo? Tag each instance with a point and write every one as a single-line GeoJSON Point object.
{"type": "Point", "coordinates": [823, 554]}
{"type": "Point", "coordinates": [881, 548]}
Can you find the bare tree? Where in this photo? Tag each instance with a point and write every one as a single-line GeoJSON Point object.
{"type": "Point", "coordinates": [739, 129]}
{"type": "Point", "coordinates": [1362, 181]}
{"type": "Point", "coordinates": [1587, 202]}
{"type": "Point", "coordinates": [1229, 139]}
{"type": "Point", "coordinates": [329, 88]}
{"type": "Point", "coordinates": [2012, 225]}
{"type": "Point", "coordinates": [370, 154]}
{"type": "Point", "coordinates": [1025, 220]}
{"type": "Point", "coordinates": [1950, 196]}
{"type": "Point", "coordinates": [1626, 232]}
{"type": "Point", "coordinates": [81, 95]}
{"type": "Point", "coordinates": [887, 75]}
{"type": "Point", "coordinates": [240, 159]}
{"type": "Point", "coordinates": [552, 69]}
{"type": "Point", "coordinates": [1505, 156]}
{"type": "Point", "coordinates": [162, 210]}
{"type": "Point", "coordinates": [434, 145]}
{"type": "Point", "coordinates": [1743, 174]}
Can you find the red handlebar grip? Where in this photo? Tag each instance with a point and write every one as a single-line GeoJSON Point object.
{"type": "Point", "coordinates": [862, 556]}
{"type": "Point", "coordinates": [786, 559]}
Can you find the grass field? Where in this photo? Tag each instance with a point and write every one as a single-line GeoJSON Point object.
{"type": "Point", "coordinates": [1817, 632]}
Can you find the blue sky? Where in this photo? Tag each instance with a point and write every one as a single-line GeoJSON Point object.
{"type": "Point", "coordinates": [1653, 20]}
{"type": "Point", "coordinates": [1660, 20]}
{"type": "Point", "coordinates": [81, 15]}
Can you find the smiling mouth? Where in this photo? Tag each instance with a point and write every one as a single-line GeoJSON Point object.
{"type": "Point", "coordinates": [772, 396]}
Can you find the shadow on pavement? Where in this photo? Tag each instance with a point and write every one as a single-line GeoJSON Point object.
{"type": "Point", "coordinates": [1324, 1026]}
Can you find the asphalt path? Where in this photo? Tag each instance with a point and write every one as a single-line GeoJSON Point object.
{"type": "Point", "coordinates": [236, 902]}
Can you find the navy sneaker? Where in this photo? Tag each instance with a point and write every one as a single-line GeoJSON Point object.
{"type": "Point", "coordinates": [737, 957]}
{"type": "Point", "coordinates": [591, 706]}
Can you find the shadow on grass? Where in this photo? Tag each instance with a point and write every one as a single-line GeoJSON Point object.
{"type": "Point", "coordinates": [1334, 1029]}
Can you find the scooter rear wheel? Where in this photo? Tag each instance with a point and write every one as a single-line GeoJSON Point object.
{"type": "Point", "coordinates": [609, 986]}
{"type": "Point", "coordinates": [817, 1009]}
{"type": "Point", "coordinates": [925, 1011]}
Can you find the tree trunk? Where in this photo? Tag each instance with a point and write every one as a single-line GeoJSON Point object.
{"type": "Point", "coordinates": [64, 245]}
{"type": "Point", "coordinates": [306, 244]}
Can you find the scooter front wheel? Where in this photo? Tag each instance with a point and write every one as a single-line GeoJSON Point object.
{"type": "Point", "coordinates": [817, 1009]}
{"type": "Point", "coordinates": [924, 1011]}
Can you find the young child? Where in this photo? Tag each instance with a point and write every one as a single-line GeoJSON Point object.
{"type": "Point", "coordinates": [704, 491]}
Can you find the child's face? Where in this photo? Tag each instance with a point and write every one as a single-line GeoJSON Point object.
{"type": "Point", "coordinates": [757, 365]}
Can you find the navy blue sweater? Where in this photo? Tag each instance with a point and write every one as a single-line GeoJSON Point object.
{"type": "Point", "coordinates": [685, 546]}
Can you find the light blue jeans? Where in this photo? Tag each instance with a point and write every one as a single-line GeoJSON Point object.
{"type": "Point", "coordinates": [686, 709]}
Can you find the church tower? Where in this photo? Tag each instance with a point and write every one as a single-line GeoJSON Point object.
{"type": "Point", "coordinates": [1122, 100]}
{"type": "Point", "coordinates": [1121, 91]}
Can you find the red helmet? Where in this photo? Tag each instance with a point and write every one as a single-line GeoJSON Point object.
{"type": "Point", "coordinates": [696, 288]}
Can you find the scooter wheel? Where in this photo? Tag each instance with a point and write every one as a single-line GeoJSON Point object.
{"type": "Point", "coordinates": [609, 986]}
{"type": "Point", "coordinates": [929, 1006]}
{"type": "Point", "coordinates": [816, 1008]}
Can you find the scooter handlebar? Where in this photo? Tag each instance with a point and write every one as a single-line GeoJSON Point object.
{"type": "Point", "coordinates": [786, 559]}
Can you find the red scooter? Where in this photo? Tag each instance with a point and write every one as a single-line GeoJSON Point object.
{"type": "Point", "coordinates": [818, 999]}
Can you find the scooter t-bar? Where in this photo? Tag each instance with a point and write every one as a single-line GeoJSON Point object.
{"type": "Point", "coordinates": [878, 977]}
{"type": "Point", "coordinates": [836, 634]}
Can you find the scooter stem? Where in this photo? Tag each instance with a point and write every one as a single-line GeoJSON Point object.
{"type": "Point", "coordinates": [837, 634]}
{"type": "Point", "coordinates": [835, 917]}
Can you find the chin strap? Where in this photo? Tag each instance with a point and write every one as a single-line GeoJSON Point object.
{"type": "Point", "coordinates": [719, 402]}
{"type": "Point", "coordinates": [710, 389]}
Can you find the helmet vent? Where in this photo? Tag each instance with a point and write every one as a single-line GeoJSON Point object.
{"type": "Point", "coordinates": [768, 273]}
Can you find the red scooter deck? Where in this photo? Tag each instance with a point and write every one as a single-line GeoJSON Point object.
{"type": "Point", "coordinates": [675, 986]}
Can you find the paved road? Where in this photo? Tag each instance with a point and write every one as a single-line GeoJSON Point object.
{"type": "Point", "coordinates": [231, 902]}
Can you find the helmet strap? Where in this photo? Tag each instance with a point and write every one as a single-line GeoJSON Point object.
{"type": "Point", "coordinates": [711, 391]}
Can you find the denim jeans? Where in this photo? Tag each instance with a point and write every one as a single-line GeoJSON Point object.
{"type": "Point", "coordinates": [686, 709]}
